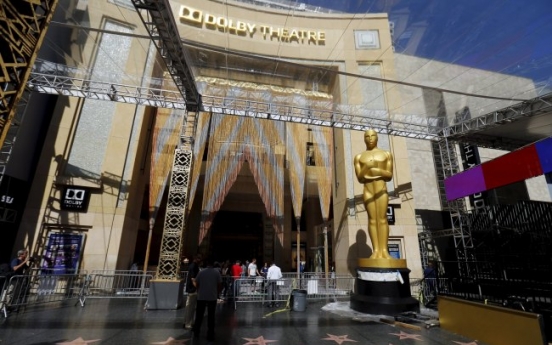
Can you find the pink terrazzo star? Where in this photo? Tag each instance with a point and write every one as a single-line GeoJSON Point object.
{"type": "Point", "coordinates": [78, 341]}
{"type": "Point", "coordinates": [340, 339]}
{"type": "Point", "coordinates": [172, 341]}
{"type": "Point", "coordinates": [258, 341]}
{"type": "Point", "coordinates": [403, 335]}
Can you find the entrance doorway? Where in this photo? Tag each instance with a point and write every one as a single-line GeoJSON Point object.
{"type": "Point", "coordinates": [236, 236]}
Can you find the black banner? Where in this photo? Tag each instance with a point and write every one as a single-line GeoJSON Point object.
{"type": "Point", "coordinates": [470, 158]}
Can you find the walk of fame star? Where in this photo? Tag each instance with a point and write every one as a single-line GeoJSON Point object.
{"type": "Point", "coordinates": [404, 335]}
{"type": "Point", "coordinates": [461, 343]}
{"type": "Point", "coordinates": [172, 341]}
{"type": "Point", "coordinates": [79, 341]}
{"type": "Point", "coordinates": [258, 341]}
{"type": "Point", "coordinates": [338, 338]}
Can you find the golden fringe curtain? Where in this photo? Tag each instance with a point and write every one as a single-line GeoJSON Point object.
{"type": "Point", "coordinates": [297, 155]}
{"type": "Point", "coordinates": [233, 141]}
{"type": "Point", "coordinates": [202, 133]}
{"type": "Point", "coordinates": [323, 157]}
{"type": "Point", "coordinates": [166, 133]}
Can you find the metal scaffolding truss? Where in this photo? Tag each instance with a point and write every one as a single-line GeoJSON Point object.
{"type": "Point", "coordinates": [79, 87]}
{"type": "Point", "coordinates": [463, 241]}
{"type": "Point", "coordinates": [467, 130]}
{"type": "Point", "coordinates": [23, 25]}
{"type": "Point", "coordinates": [320, 117]}
{"type": "Point", "coordinates": [160, 24]}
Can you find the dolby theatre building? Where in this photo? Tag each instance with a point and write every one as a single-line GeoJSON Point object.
{"type": "Point", "coordinates": [266, 180]}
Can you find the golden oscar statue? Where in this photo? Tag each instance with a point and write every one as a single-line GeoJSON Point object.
{"type": "Point", "coordinates": [382, 285]}
{"type": "Point", "coordinates": [373, 168]}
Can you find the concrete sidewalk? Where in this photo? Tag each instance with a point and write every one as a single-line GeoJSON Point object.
{"type": "Point", "coordinates": [124, 321]}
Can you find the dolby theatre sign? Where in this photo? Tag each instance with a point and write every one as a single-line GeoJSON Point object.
{"type": "Point", "coordinates": [210, 21]}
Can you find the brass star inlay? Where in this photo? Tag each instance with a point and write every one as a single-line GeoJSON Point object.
{"type": "Point", "coordinates": [258, 341]}
{"type": "Point", "coordinates": [403, 335]}
{"type": "Point", "coordinates": [172, 341]}
{"type": "Point", "coordinates": [340, 339]}
{"type": "Point", "coordinates": [78, 341]}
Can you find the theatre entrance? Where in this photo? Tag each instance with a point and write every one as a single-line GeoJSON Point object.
{"type": "Point", "coordinates": [236, 236]}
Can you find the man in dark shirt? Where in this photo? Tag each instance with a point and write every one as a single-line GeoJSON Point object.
{"type": "Point", "coordinates": [20, 264]}
{"type": "Point", "coordinates": [18, 288]}
{"type": "Point", "coordinates": [209, 285]}
{"type": "Point", "coordinates": [191, 299]}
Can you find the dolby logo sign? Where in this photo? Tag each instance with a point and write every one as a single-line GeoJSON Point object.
{"type": "Point", "coordinates": [75, 199]}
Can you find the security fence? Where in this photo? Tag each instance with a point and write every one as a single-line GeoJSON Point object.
{"type": "Point", "coordinates": [22, 290]}
{"type": "Point", "coordinates": [39, 287]}
{"type": "Point", "coordinates": [278, 292]}
{"type": "Point", "coordinates": [118, 284]}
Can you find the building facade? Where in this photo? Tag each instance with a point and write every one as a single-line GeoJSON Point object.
{"type": "Point", "coordinates": [265, 189]}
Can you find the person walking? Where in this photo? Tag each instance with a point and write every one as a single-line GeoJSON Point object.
{"type": "Point", "coordinates": [208, 283]}
{"type": "Point", "coordinates": [273, 275]}
{"type": "Point", "coordinates": [191, 299]}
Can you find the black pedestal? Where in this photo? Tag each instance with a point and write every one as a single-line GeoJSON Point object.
{"type": "Point", "coordinates": [165, 294]}
{"type": "Point", "coordinates": [384, 297]}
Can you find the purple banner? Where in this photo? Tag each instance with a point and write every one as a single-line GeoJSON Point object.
{"type": "Point", "coordinates": [62, 253]}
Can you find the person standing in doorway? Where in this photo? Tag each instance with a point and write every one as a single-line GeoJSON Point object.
{"type": "Point", "coordinates": [236, 275]}
{"type": "Point", "coordinates": [252, 273]}
{"type": "Point", "coordinates": [209, 284]}
{"type": "Point", "coordinates": [273, 275]}
{"type": "Point", "coordinates": [191, 299]}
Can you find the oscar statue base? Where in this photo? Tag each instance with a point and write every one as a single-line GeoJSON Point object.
{"type": "Point", "coordinates": [383, 291]}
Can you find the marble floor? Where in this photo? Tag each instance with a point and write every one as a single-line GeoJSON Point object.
{"type": "Point", "coordinates": [125, 321]}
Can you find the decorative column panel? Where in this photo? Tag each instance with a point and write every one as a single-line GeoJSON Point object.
{"type": "Point", "coordinates": [177, 203]}
{"type": "Point", "coordinates": [23, 25]}
{"type": "Point", "coordinates": [171, 242]}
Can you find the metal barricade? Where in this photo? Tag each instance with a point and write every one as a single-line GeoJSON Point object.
{"type": "Point", "coordinates": [247, 290]}
{"type": "Point", "coordinates": [26, 290]}
{"type": "Point", "coordinates": [117, 284]}
{"type": "Point", "coordinates": [426, 290]}
{"type": "Point", "coordinates": [278, 292]}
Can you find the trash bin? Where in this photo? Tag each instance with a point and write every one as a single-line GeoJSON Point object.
{"type": "Point", "coordinates": [298, 300]}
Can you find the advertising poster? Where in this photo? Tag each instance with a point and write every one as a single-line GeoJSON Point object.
{"type": "Point", "coordinates": [394, 247]}
{"type": "Point", "coordinates": [62, 253]}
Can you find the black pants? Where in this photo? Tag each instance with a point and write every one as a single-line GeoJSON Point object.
{"type": "Point", "coordinates": [200, 311]}
{"type": "Point", "coordinates": [273, 292]}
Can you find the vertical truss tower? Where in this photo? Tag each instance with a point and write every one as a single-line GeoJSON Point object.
{"type": "Point", "coordinates": [23, 25]}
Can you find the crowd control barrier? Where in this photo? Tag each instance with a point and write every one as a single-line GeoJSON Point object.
{"type": "Point", "coordinates": [278, 292]}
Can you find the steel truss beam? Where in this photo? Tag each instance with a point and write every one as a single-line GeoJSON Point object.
{"type": "Point", "coordinates": [467, 130]}
{"type": "Point", "coordinates": [159, 21]}
{"type": "Point", "coordinates": [78, 87]}
{"type": "Point", "coordinates": [23, 25]}
{"type": "Point", "coordinates": [461, 232]}
{"type": "Point", "coordinates": [320, 117]}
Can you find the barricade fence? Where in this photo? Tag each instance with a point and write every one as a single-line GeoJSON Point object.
{"type": "Point", "coordinates": [426, 289]}
{"type": "Point", "coordinates": [278, 292]}
{"type": "Point", "coordinates": [40, 287]}
{"type": "Point", "coordinates": [24, 290]}
{"type": "Point", "coordinates": [118, 284]}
